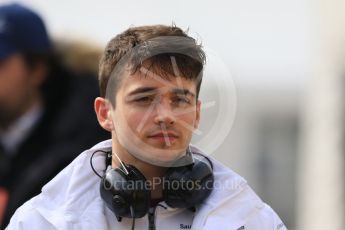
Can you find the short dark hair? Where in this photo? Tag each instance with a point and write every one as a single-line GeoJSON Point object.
{"type": "Point", "coordinates": [189, 56]}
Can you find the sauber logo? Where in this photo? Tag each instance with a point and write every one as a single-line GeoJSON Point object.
{"type": "Point", "coordinates": [185, 226]}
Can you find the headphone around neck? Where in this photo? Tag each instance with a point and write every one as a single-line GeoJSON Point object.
{"type": "Point", "coordinates": [127, 193]}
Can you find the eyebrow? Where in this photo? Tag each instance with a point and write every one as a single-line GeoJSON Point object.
{"type": "Point", "coordinates": [183, 91]}
{"type": "Point", "coordinates": [142, 90]}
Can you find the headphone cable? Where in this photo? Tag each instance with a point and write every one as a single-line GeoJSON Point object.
{"type": "Point", "coordinates": [91, 164]}
{"type": "Point", "coordinates": [133, 217]}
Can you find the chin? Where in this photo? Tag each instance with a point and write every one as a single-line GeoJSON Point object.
{"type": "Point", "coordinates": [161, 156]}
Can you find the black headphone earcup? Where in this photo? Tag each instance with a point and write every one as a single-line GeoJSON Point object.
{"type": "Point", "coordinates": [188, 186]}
{"type": "Point", "coordinates": [122, 192]}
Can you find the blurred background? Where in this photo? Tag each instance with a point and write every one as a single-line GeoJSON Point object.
{"type": "Point", "coordinates": [286, 61]}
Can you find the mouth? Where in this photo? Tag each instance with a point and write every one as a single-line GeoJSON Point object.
{"type": "Point", "coordinates": [164, 136]}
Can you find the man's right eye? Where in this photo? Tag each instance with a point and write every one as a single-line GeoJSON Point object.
{"type": "Point", "coordinates": [144, 100]}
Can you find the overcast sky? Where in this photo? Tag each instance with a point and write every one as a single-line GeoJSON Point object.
{"type": "Point", "coordinates": [264, 43]}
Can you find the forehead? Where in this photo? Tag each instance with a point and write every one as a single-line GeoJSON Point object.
{"type": "Point", "coordinates": [143, 78]}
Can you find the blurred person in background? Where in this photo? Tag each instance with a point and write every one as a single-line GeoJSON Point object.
{"type": "Point", "coordinates": [46, 115]}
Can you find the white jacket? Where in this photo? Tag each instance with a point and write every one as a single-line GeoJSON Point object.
{"type": "Point", "coordinates": [72, 200]}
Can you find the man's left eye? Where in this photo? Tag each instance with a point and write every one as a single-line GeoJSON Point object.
{"type": "Point", "coordinates": [181, 100]}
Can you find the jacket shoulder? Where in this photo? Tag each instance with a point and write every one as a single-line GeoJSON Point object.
{"type": "Point", "coordinates": [234, 205]}
{"type": "Point", "coordinates": [267, 218]}
{"type": "Point", "coordinates": [244, 211]}
{"type": "Point", "coordinates": [26, 217]}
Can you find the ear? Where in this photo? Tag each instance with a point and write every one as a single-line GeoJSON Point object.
{"type": "Point", "coordinates": [38, 74]}
{"type": "Point", "coordinates": [197, 114]}
{"type": "Point", "coordinates": [103, 112]}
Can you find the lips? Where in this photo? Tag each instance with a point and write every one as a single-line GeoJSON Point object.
{"type": "Point", "coordinates": [164, 136]}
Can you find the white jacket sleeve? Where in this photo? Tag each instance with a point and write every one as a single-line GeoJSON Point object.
{"type": "Point", "coordinates": [266, 218]}
{"type": "Point", "coordinates": [245, 211]}
{"type": "Point", "coordinates": [27, 218]}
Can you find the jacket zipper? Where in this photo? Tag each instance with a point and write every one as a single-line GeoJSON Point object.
{"type": "Point", "coordinates": [151, 216]}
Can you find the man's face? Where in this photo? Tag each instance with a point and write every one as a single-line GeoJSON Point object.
{"type": "Point", "coordinates": [154, 117]}
{"type": "Point", "coordinates": [16, 89]}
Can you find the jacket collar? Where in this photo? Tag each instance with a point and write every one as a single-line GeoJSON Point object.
{"type": "Point", "coordinates": [73, 195]}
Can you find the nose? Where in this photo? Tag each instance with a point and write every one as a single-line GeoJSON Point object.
{"type": "Point", "coordinates": [164, 114]}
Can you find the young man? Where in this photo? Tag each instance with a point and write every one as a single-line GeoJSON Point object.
{"type": "Point", "coordinates": [149, 80]}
